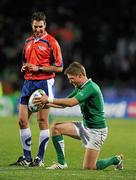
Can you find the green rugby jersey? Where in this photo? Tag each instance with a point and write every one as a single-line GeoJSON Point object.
{"type": "Point", "coordinates": [91, 104]}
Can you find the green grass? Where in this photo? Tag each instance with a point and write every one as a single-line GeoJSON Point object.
{"type": "Point", "coordinates": [121, 139]}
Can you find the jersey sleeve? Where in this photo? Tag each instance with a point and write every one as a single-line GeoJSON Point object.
{"type": "Point", "coordinates": [85, 93]}
{"type": "Point", "coordinates": [57, 55]}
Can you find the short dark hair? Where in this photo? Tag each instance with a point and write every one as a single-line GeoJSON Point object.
{"type": "Point", "coordinates": [75, 68]}
{"type": "Point", "coordinates": [38, 16]}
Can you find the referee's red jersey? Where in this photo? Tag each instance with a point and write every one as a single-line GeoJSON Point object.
{"type": "Point", "coordinates": [43, 51]}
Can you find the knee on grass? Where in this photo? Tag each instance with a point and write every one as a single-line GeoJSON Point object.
{"type": "Point", "coordinates": [85, 167]}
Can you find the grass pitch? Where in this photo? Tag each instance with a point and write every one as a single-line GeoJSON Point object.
{"type": "Point", "coordinates": [121, 139]}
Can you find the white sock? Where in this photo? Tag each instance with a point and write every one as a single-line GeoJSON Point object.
{"type": "Point", "coordinates": [43, 141]}
{"type": "Point", "coordinates": [25, 135]}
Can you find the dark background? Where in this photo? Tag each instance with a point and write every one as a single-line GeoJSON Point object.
{"type": "Point", "coordinates": [99, 34]}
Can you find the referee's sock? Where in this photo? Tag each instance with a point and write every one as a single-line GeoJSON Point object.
{"type": "Point", "coordinates": [43, 141]}
{"type": "Point", "coordinates": [25, 135]}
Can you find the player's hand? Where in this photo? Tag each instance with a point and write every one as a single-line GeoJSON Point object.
{"type": "Point", "coordinates": [32, 67]}
{"type": "Point", "coordinates": [40, 100]}
{"type": "Point", "coordinates": [24, 67]}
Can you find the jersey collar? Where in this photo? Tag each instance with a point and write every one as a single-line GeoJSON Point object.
{"type": "Point", "coordinates": [38, 38]}
{"type": "Point", "coordinates": [86, 82]}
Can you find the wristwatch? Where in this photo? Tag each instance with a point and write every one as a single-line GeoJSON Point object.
{"type": "Point", "coordinates": [40, 68]}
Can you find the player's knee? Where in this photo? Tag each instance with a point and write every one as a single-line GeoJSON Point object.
{"type": "Point", "coordinates": [23, 123]}
{"type": "Point", "coordinates": [54, 128]}
{"type": "Point", "coordinates": [86, 167]}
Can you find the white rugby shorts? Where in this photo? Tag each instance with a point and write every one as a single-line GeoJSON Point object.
{"type": "Point", "coordinates": [91, 138]}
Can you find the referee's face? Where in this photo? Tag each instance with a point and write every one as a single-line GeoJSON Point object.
{"type": "Point", "coordinates": [38, 28]}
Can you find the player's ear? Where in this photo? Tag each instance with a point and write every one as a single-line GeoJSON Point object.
{"type": "Point", "coordinates": [80, 75]}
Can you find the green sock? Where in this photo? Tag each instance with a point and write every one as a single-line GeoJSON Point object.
{"type": "Point", "coordinates": [58, 142]}
{"type": "Point", "coordinates": [103, 163]}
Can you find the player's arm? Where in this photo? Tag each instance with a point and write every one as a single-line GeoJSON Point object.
{"type": "Point", "coordinates": [54, 106]}
{"type": "Point", "coordinates": [50, 69]}
{"type": "Point", "coordinates": [62, 102]}
{"type": "Point", "coordinates": [57, 63]}
{"type": "Point", "coordinates": [40, 69]}
{"type": "Point", "coordinates": [65, 102]}
{"type": "Point", "coordinates": [24, 67]}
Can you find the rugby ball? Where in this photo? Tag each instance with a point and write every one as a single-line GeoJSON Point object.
{"type": "Point", "coordinates": [32, 107]}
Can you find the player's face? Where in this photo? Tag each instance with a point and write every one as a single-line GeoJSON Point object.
{"type": "Point", "coordinates": [74, 80]}
{"type": "Point", "coordinates": [38, 28]}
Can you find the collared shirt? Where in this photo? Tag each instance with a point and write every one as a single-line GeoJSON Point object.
{"type": "Point", "coordinates": [43, 51]}
{"type": "Point", "coordinates": [91, 103]}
